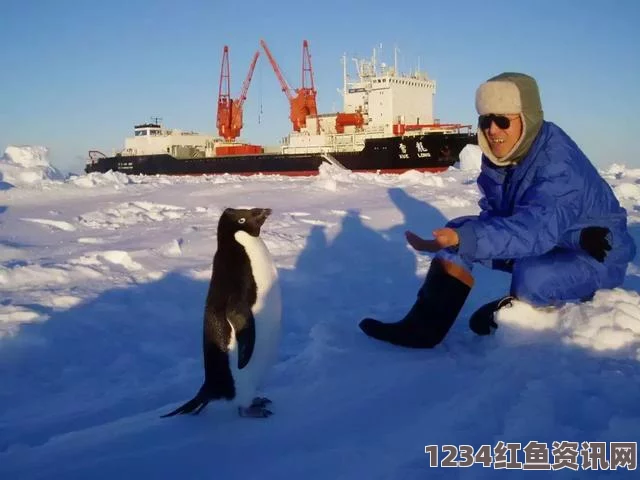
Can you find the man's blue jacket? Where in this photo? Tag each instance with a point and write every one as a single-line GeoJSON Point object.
{"type": "Point", "coordinates": [542, 203]}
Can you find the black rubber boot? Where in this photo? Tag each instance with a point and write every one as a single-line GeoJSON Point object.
{"type": "Point", "coordinates": [438, 304]}
{"type": "Point", "coordinates": [482, 321]}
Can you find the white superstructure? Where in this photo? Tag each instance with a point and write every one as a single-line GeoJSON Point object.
{"type": "Point", "coordinates": [386, 97]}
{"type": "Point", "coordinates": [152, 138]}
{"type": "Point", "coordinates": [379, 103]}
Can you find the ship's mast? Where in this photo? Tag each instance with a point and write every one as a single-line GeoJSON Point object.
{"type": "Point", "coordinates": [395, 60]}
{"type": "Point", "coordinates": [344, 74]}
{"type": "Point", "coordinates": [374, 67]}
{"type": "Point", "coordinates": [358, 69]}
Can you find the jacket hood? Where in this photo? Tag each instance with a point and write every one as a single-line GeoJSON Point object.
{"type": "Point", "coordinates": [511, 93]}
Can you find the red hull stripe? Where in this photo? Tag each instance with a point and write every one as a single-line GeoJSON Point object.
{"type": "Point", "coordinates": [312, 173]}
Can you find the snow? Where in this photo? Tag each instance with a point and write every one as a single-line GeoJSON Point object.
{"type": "Point", "coordinates": [102, 285]}
{"type": "Point", "coordinates": [470, 157]}
{"type": "Point", "coordinates": [25, 165]}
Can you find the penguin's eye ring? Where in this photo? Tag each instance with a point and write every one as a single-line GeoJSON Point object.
{"type": "Point", "coordinates": [242, 220]}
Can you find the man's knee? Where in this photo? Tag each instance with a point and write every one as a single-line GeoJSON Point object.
{"type": "Point", "coordinates": [554, 278]}
{"type": "Point", "coordinates": [530, 282]}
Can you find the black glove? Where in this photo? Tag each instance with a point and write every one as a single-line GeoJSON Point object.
{"type": "Point", "coordinates": [594, 241]}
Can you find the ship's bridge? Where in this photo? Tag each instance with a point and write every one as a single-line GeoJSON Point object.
{"type": "Point", "coordinates": [147, 129]}
{"type": "Point", "coordinates": [154, 139]}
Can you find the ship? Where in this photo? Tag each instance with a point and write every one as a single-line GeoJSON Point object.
{"type": "Point", "coordinates": [387, 125]}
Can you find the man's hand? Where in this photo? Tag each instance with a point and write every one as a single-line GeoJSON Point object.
{"type": "Point", "coordinates": [594, 241]}
{"type": "Point", "coordinates": [442, 238]}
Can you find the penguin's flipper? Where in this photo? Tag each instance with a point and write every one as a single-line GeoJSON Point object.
{"type": "Point", "coordinates": [244, 326]}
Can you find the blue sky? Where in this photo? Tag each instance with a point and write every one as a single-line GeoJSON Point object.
{"type": "Point", "coordinates": [78, 74]}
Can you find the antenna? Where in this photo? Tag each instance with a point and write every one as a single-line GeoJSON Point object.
{"type": "Point", "coordinates": [374, 60]}
{"type": "Point", "coordinates": [358, 67]}
{"type": "Point", "coordinates": [395, 60]}
{"type": "Point", "coordinates": [344, 74]}
{"type": "Point", "coordinates": [156, 120]}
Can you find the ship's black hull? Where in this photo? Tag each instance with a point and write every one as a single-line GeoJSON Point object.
{"type": "Point", "coordinates": [431, 152]}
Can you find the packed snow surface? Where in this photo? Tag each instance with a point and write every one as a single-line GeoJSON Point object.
{"type": "Point", "coordinates": [103, 279]}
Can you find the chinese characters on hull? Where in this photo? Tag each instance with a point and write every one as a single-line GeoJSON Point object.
{"type": "Point", "coordinates": [422, 151]}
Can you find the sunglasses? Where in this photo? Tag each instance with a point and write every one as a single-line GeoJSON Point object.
{"type": "Point", "coordinates": [502, 122]}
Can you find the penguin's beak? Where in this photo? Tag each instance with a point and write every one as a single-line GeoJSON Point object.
{"type": "Point", "coordinates": [262, 214]}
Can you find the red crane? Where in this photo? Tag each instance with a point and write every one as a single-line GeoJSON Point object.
{"type": "Point", "coordinates": [229, 119]}
{"type": "Point", "coordinates": [303, 102]}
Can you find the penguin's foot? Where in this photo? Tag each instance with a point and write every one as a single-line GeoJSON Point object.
{"type": "Point", "coordinates": [260, 402]}
{"type": "Point", "coordinates": [254, 411]}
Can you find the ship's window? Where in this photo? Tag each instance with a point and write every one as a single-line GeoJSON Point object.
{"type": "Point", "coordinates": [140, 133]}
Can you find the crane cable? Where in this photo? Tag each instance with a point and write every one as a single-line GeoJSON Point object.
{"type": "Point", "coordinates": [260, 95]}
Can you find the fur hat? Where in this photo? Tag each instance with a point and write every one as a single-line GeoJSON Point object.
{"type": "Point", "coordinates": [511, 93]}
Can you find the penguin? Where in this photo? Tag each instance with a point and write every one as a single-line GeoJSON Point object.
{"type": "Point", "coordinates": [242, 317]}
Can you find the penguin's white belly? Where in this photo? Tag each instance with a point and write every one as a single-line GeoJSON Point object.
{"type": "Point", "coordinates": [267, 312]}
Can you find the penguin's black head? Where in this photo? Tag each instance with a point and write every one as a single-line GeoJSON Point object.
{"type": "Point", "coordinates": [248, 220]}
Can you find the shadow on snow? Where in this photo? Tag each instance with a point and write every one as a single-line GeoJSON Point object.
{"type": "Point", "coordinates": [136, 349]}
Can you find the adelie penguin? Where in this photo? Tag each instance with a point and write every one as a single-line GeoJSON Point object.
{"type": "Point", "coordinates": [242, 316]}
